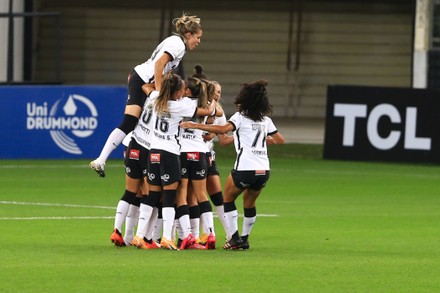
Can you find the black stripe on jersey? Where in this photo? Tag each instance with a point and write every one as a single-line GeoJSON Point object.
{"type": "Point", "coordinates": [169, 54]}
{"type": "Point", "coordinates": [195, 113]}
{"type": "Point", "coordinates": [237, 162]}
{"type": "Point", "coordinates": [272, 133]}
{"type": "Point", "coordinates": [233, 125]}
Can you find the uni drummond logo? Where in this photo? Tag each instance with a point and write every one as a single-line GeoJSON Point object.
{"type": "Point", "coordinates": [67, 120]}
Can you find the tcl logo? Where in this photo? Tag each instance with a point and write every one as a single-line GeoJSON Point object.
{"type": "Point", "coordinates": [351, 112]}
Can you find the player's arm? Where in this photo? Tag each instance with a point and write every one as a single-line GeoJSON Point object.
{"type": "Point", "coordinates": [225, 139]}
{"type": "Point", "coordinates": [276, 138]}
{"type": "Point", "coordinates": [211, 128]}
{"type": "Point", "coordinates": [159, 66]}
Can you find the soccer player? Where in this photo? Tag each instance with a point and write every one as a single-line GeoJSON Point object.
{"type": "Point", "coordinates": [164, 58]}
{"type": "Point", "coordinates": [251, 170]}
{"type": "Point", "coordinates": [213, 183]}
{"type": "Point", "coordinates": [194, 165]}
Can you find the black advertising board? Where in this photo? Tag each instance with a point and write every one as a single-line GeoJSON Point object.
{"type": "Point", "coordinates": [382, 124]}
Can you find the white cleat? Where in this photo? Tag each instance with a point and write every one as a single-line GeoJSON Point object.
{"type": "Point", "coordinates": [98, 167]}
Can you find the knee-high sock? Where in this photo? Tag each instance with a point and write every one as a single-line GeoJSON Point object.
{"type": "Point", "coordinates": [113, 141]}
{"type": "Point", "coordinates": [151, 224]}
{"type": "Point", "coordinates": [250, 215]}
{"type": "Point", "coordinates": [206, 217]}
{"type": "Point", "coordinates": [231, 215]}
{"type": "Point", "coordinates": [145, 213]}
{"type": "Point", "coordinates": [121, 214]}
{"type": "Point", "coordinates": [168, 214]}
{"type": "Point", "coordinates": [130, 222]}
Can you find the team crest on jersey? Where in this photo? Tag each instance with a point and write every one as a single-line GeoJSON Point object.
{"type": "Point", "coordinates": [193, 156]}
{"type": "Point", "coordinates": [151, 176]}
{"type": "Point", "coordinates": [155, 158]}
{"type": "Point", "coordinates": [134, 154]}
{"type": "Point", "coordinates": [165, 177]}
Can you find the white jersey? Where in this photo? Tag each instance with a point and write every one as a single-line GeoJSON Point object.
{"type": "Point", "coordinates": [143, 131]}
{"type": "Point", "coordinates": [191, 140]}
{"type": "Point", "coordinates": [250, 142]}
{"type": "Point", "coordinates": [127, 138]}
{"type": "Point", "coordinates": [166, 128]}
{"type": "Point", "coordinates": [210, 143]}
{"type": "Point", "coordinates": [173, 46]}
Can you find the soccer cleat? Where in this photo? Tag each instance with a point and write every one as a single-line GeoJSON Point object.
{"type": "Point", "coordinates": [197, 246]}
{"type": "Point", "coordinates": [117, 239]}
{"type": "Point", "coordinates": [210, 243]}
{"type": "Point", "coordinates": [153, 244]}
{"type": "Point", "coordinates": [234, 244]}
{"type": "Point", "coordinates": [139, 242]}
{"type": "Point", "coordinates": [142, 243]}
{"type": "Point", "coordinates": [246, 244]}
{"type": "Point", "coordinates": [98, 167]}
{"type": "Point", "coordinates": [168, 244]}
{"type": "Point", "coordinates": [203, 239]}
{"type": "Point", "coordinates": [187, 241]}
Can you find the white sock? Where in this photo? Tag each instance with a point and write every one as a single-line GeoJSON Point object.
{"type": "Point", "coordinates": [248, 223]}
{"type": "Point", "coordinates": [195, 227]}
{"type": "Point", "coordinates": [131, 222]}
{"type": "Point", "coordinates": [185, 225]}
{"type": "Point", "coordinates": [168, 214]}
{"type": "Point", "coordinates": [151, 224]}
{"type": "Point", "coordinates": [113, 141]}
{"type": "Point", "coordinates": [232, 219]}
{"type": "Point", "coordinates": [207, 220]}
{"type": "Point", "coordinates": [221, 216]}
{"type": "Point", "coordinates": [158, 229]}
{"type": "Point", "coordinates": [121, 213]}
{"type": "Point", "coordinates": [178, 228]}
{"type": "Point", "coordinates": [145, 212]}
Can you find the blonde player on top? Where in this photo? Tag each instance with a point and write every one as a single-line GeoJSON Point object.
{"type": "Point", "coordinates": [165, 58]}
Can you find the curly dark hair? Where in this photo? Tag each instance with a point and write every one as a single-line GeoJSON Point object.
{"type": "Point", "coordinates": [252, 100]}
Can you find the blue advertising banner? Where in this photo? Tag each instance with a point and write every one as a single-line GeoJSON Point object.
{"type": "Point", "coordinates": [382, 124]}
{"type": "Point", "coordinates": [58, 122]}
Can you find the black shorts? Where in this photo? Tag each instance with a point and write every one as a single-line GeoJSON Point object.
{"type": "Point", "coordinates": [255, 180]}
{"type": "Point", "coordinates": [163, 168]}
{"type": "Point", "coordinates": [136, 95]}
{"type": "Point", "coordinates": [194, 165]}
{"type": "Point", "coordinates": [136, 160]}
{"type": "Point", "coordinates": [212, 166]}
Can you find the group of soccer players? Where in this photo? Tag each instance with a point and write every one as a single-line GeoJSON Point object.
{"type": "Point", "coordinates": [168, 161]}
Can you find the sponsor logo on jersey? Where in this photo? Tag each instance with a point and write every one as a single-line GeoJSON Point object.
{"type": "Point", "coordinates": [134, 154]}
{"type": "Point", "coordinates": [67, 120]}
{"type": "Point", "coordinates": [193, 156]}
{"type": "Point", "coordinates": [155, 158]}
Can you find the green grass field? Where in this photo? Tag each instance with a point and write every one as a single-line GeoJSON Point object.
{"type": "Point", "coordinates": [325, 226]}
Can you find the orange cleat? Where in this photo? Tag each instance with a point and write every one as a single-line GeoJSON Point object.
{"type": "Point", "coordinates": [117, 239]}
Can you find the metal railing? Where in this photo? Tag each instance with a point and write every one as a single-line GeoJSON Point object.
{"type": "Point", "coordinates": [10, 54]}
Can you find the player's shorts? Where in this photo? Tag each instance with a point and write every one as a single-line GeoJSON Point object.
{"type": "Point", "coordinates": [136, 95]}
{"type": "Point", "coordinates": [163, 168]}
{"type": "Point", "coordinates": [255, 180]}
{"type": "Point", "coordinates": [212, 166]}
{"type": "Point", "coordinates": [194, 165]}
{"type": "Point", "coordinates": [136, 160]}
